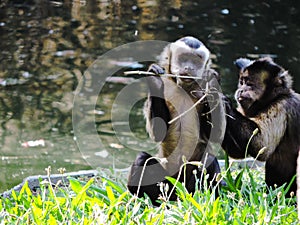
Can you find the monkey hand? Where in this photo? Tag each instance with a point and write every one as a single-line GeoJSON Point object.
{"type": "Point", "coordinates": [211, 74]}
{"type": "Point", "coordinates": [197, 93]}
{"type": "Point", "coordinates": [155, 83]}
{"type": "Point", "coordinates": [154, 68]}
{"type": "Point", "coordinates": [229, 109]}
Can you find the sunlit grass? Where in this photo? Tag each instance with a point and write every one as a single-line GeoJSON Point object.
{"type": "Point", "coordinates": [104, 200]}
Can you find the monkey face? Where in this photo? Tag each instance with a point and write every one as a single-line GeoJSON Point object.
{"type": "Point", "coordinates": [260, 83]}
{"type": "Point", "coordinates": [251, 87]}
{"type": "Point", "coordinates": [187, 61]}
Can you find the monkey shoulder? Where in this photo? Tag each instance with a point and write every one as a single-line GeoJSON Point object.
{"type": "Point", "coordinates": [272, 124]}
{"type": "Point", "coordinates": [293, 105]}
{"type": "Point", "coordinates": [279, 125]}
{"type": "Point", "coordinates": [293, 118]}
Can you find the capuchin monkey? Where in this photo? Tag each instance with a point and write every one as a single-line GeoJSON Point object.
{"type": "Point", "coordinates": [268, 104]}
{"type": "Point", "coordinates": [188, 137]}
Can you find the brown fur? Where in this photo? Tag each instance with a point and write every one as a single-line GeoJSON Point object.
{"type": "Point", "coordinates": [186, 137]}
{"type": "Point", "coordinates": [266, 102]}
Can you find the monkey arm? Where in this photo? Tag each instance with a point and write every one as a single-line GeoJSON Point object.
{"type": "Point", "coordinates": [238, 132]}
{"type": "Point", "coordinates": [156, 111]}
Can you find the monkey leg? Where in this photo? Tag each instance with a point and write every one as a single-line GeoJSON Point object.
{"type": "Point", "coordinates": [145, 179]}
{"type": "Point", "coordinates": [278, 172]}
{"type": "Point", "coordinates": [212, 169]}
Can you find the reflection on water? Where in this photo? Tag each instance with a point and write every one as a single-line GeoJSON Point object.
{"type": "Point", "coordinates": [47, 45]}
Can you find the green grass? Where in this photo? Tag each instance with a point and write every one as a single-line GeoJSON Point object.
{"type": "Point", "coordinates": [104, 200]}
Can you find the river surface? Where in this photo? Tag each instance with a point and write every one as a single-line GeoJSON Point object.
{"type": "Point", "coordinates": [52, 111]}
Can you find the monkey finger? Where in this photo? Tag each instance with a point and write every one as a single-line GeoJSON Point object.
{"type": "Point", "coordinates": [154, 68]}
{"type": "Point", "coordinates": [197, 94]}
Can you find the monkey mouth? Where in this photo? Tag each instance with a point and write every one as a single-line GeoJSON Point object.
{"type": "Point", "coordinates": [188, 79]}
{"type": "Point", "coordinates": [240, 99]}
{"type": "Point", "coordinates": [244, 102]}
{"type": "Point", "coordinates": [243, 99]}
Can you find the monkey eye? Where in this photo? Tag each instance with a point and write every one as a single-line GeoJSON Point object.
{"type": "Point", "coordinates": [246, 82]}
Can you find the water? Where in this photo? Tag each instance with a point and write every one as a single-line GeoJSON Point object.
{"type": "Point", "coordinates": [46, 46]}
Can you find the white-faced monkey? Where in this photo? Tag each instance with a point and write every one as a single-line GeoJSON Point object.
{"type": "Point", "coordinates": [267, 102]}
{"type": "Point", "coordinates": [187, 137]}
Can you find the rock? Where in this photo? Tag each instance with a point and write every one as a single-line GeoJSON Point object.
{"type": "Point", "coordinates": [34, 181]}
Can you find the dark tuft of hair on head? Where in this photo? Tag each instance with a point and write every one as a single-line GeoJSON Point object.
{"type": "Point", "coordinates": [191, 42]}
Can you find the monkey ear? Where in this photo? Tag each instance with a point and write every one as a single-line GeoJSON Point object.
{"type": "Point", "coordinates": [165, 57]}
{"type": "Point", "coordinates": [284, 79]}
{"type": "Point", "coordinates": [242, 63]}
{"type": "Point", "coordinates": [280, 76]}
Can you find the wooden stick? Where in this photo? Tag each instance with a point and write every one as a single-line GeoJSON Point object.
{"type": "Point", "coordinates": [138, 72]}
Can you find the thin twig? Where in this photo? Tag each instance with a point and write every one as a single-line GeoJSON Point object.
{"type": "Point", "coordinates": [211, 110]}
{"type": "Point", "coordinates": [255, 132]}
{"type": "Point", "coordinates": [143, 171]}
{"type": "Point", "coordinates": [185, 112]}
{"type": "Point", "coordinates": [231, 117]}
{"type": "Point", "coordinates": [138, 72]}
{"type": "Point", "coordinates": [182, 167]}
{"type": "Point", "coordinates": [193, 106]}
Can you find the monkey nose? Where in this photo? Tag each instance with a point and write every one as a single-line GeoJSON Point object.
{"type": "Point", "coordinates": [188, 69]}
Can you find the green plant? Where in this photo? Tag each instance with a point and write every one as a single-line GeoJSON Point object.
{"type": "Point", "coordinates": [105, 200]}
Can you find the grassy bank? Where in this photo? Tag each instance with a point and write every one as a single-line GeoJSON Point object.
{"type": "Point", "coordinates": [105, 200]}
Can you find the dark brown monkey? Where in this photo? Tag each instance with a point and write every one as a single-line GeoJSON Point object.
{"type": "Point", "coordinates": [186, 137]}
{"type": "Point", "coordinates": [267, 102]}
